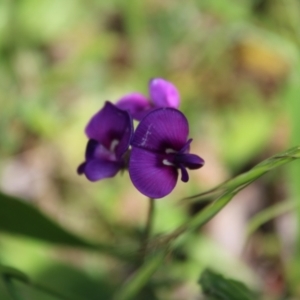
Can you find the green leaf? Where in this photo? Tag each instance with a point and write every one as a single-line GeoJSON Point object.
{"type": "Point", "coordinates": [55, 282]}
{"type": "Point", "coordinates": [270, 213]}
{"type": "Point", "coordinates": [241, 181]}
{"type": "Point", "coordinates": [217, 287]}
{"type": "Point", "coordinates": [18, 217]}
{"type": "Point", "coordinates": [5, 292]}
{"type": "Point", "coordinates": [20, 287]}
{"type": "Point", "coordinates": [230, 188]}
{"type": "Point", "coordinates": [75, 283]}
{"type": "Point", "coordinates": [223, 194]}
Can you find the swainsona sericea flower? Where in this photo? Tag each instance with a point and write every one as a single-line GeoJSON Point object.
{"type": "Point", "coordinates": [162, 94]}
{"type": "Point", "coordinates": [109, 132]}
{"type": "Point", "coordinates": [160, 148]}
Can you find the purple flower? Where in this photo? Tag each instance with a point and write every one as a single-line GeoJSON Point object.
{"type": "Point", "coordinates": [109, 132]}
{"type": "Point", "coordinates": [162, 94]}
{"type": "Point", "coordinates": [160, 147]}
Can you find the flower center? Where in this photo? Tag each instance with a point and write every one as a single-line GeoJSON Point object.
{"type": "Point", "coordinates": [105, 153]}
{"type": "Point", "coordinates": [113, 145]}
{"type": "Point", "coordinates": [182, 160]}
{"type": "Point", "coordinates": [169, 150]}
{"type": "Point", "coordinates": [167, 163]}
{"type": "Point", "coordinates": [176, 160]}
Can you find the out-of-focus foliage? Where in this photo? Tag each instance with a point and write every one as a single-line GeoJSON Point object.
{"type": "Point", "coordinates": [236, 65]}
{"type": "Point", "coordinates": [216, 287]}
{"type": "Point", "coordinates": [32, 223]}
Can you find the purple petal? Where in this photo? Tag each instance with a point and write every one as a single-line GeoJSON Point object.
{"type": "Point", "coordinates": [184, 173]}
{"type": "Point", "coordinates": [150, 175]}
{"type": "Point", "coordinates": [109, 126]}
{"type": "Point", "coordinates": [190, 161]}
{"type": "Point", "coordinates": [95, 150]}
{"type": "Point", "coordinates": [91, 149]}
{"type": "Point", "coordinates": [125, 139]}
{"type": "Point", "coordinates": [80, 169]}
{"type": "Point", "coordinates": [136, 104]}
{"type": "Point", "coordinates": [161, 129]}
{"type": "Point", "coordinates": [163, 93]}
{"type": "Point", "coordinates": [99, 169]}
{"type": "Point", "coordinates": [186, 147]}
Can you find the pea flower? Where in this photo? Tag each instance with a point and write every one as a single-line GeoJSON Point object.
{"type": "Point", "coordinates": [160, 147]}
{"type": "Point", "coordinates": [162, 94]}
{"type": "Point", "coordinates": [109, 131]}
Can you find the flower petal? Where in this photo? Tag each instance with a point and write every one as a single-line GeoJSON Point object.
{"type": "Point", "coordinates": [136, 104]}
{"type": "Point", "coordinates": [184, 173]}
{"type": "Point", "coordinates": [99, 169]}
{"type": "Point", "coordinates": [161, 129]}
{"type": "Point", "coordinates": [109, 125]}
{"type": "Point", "coordinates": [186, 147]}
{"type": "Point", "coordinates": [163, 93]}
{"type": "Point", "coordinates": [91, 149]}
{"type": "Point", "coordinates": [190, 161]}
{"type": "Point", "coordinates": [126, 137]}
{"type": "Point", "coordinates": [149, 174]}
{"type": "Point", "coordinates": [80, 169]}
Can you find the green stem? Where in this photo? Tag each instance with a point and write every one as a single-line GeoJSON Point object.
{"type": "Point", "coordinates": [141, 277]}
{"type": "Point", "coordinates": [148, 230]}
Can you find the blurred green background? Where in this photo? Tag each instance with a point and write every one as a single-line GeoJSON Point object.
{"type": "Point", "coordinates": [237, 67]}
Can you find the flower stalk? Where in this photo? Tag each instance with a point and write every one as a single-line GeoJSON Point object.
{"type": "Point", "coordinates": [148, 229]}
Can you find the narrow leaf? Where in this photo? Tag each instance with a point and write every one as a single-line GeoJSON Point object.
{"type": "Point", "coordinates": [226, 191]}
{"type": "Point", "coordinates": [248, 177]}
{"type": "Point", "coordinates": [270, 213]}
{"type": "Point", "coordinates": [18, 217]}
{"type": "Point", "coordinates": [18, 284]}
{"type": "Point", "coordinates": [233, 186]}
